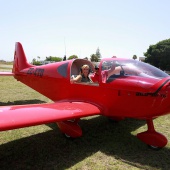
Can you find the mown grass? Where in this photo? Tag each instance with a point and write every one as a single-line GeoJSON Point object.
{"type": "Point", "coordinates": [104, 144]}
{"type": "Point", "coordinates": [5, 67]}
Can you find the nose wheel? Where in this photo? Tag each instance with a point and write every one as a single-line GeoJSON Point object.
{"type": "Point", "coordinates": [153, 139]}
{"type": "Point", "coordinates": [156, 148]}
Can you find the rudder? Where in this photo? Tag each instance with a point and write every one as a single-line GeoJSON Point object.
{"type": "Point", "coordinates": [20, 60]}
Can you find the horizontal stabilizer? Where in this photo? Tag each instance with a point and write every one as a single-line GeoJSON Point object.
{"type": "Point", "coordinates": [6, 74]}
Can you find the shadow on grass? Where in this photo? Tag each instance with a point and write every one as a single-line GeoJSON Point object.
{"type": "Point", "coordinates": [50, 150]}
{"type": "Point", "coordinates": [22, 102]}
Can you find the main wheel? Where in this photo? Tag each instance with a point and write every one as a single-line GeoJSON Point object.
{"type": "Point", "coordinates": [156, 148]}
{"type": "Point", "coordinates": [67, 136]}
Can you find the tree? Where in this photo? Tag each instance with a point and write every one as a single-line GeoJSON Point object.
{"type": "Point", "coordinates": [38, 57]}
{"type": "Point", "coordinates": [98, 54]}
{"type": "Point", "coordinates": [72, 57]}
{"type": "Point", "coordinates": [159, 55]}
{"type": "Point", "coordinates": [94, 58]}
{"type": "Point", "coordinates": [134, 57]}
{"type": "Point", "coordinates": [35, 62]}
{"type": "Point", "coordinates": [55, 59]}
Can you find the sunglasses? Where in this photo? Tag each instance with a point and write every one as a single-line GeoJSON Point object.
{"type": "Point", "coordinates": [96, 68]}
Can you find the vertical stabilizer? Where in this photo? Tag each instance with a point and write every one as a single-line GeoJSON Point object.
{"type": "Point", "coordinates": [20, 60]}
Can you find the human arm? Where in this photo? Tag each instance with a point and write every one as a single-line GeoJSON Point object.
{"type": "Point", "coordinates": [77, 79]}
{"type": "Point", "coordinates": [111, 71]}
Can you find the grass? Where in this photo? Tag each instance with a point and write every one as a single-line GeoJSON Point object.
{"type": "Point", "coordinates": [5, 67]}
{"type": "Point", "coordinates": [104, 145]}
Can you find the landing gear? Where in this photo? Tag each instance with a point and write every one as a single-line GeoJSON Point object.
{"type": "Point", "coordinates": [154, 147]}
{"type": "Point", "coordinates": [70, 128]}
{"type": "Point", "coordinates": [67, 136]}
{"type": "Point", "coordinates": [152, 138]}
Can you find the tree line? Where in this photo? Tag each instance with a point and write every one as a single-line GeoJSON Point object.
{"type": "Point", "coordinates": [93, 57]}
{"type": "Point", "coordinates": [157, 55]}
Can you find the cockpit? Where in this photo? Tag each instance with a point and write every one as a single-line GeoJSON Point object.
{"type": "Point", "coordinates": [113, 68]}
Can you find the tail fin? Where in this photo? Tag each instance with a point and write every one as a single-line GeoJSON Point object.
{"type": "Point", "coordinates": [20, 61]}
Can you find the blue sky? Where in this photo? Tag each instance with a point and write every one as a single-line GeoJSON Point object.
{"type": "Point", "coordinates": [121, 28]}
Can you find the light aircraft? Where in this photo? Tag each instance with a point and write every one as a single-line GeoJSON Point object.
{"type": "Point", "coordinates": [135, 90]}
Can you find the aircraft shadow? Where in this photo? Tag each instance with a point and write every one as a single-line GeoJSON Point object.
{"type": "Point", "coordinates": [51, 150]}
{"type": "Point", "coordinates": [21, 102]}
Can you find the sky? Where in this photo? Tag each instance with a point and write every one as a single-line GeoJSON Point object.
{"type": "Point", "coordinates": [120, 28]}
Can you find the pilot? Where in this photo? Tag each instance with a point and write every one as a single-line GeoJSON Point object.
{"type": "Point", "coordinates": [104, 73]}
{"type": "Point", "coordinates": [84, 75]}
{"type": "Point", "coordinates": [95, 76]}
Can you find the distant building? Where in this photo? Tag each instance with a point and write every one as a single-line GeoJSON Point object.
{"type": "Point", "coordinates": [141, 58]}
{"type": "Point", "coordinates": [46, 62]}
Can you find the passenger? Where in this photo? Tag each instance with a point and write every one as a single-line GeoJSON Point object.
{"type": "Point", "coordinates": [84, 75]}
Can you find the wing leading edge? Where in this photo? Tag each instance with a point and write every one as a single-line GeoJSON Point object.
{"type": "Point", "coordinates": [13, 117]}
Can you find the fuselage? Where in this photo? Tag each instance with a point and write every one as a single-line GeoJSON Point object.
{"type": "Point", "coordinates": [127, 93]}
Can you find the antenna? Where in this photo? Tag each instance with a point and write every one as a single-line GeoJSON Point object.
{"type": "Point", "coordinates": [65, 48]}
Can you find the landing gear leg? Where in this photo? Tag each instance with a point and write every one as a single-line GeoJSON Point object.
{"type": "Point", "coordinates": [152, 138]}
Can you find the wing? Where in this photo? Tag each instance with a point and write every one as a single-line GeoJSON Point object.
{"type": "Point", "coordinates": [12, 117]}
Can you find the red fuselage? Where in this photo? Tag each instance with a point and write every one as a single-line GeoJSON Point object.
{"type": "Point", "coordinates": [125, 96]}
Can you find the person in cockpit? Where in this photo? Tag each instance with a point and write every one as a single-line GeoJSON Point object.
{"type": "Point", "coordinates": [84, 75]}
{"type": "Point", "coordinates": [104, 73]}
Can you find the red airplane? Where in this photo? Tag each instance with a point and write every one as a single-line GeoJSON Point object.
{"type": "Point", "coordinates": [134, 90]}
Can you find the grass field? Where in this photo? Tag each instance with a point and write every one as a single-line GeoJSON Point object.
{"type": "Point", "coordinates": [104, 145]}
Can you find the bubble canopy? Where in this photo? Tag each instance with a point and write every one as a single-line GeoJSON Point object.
{"type": "Point", "coordinates": [133, 68]}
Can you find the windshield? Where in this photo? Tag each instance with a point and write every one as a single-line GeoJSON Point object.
{"type": "Point", "coordinates": [133, 67]}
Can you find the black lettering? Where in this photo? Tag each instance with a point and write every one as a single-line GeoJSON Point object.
{"type": "Point", "coordinates": [41, 72]}
{"type": "Point", "coordinates": [30, 71]}
{"type": "Point", "coordinates": [37, 72]}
